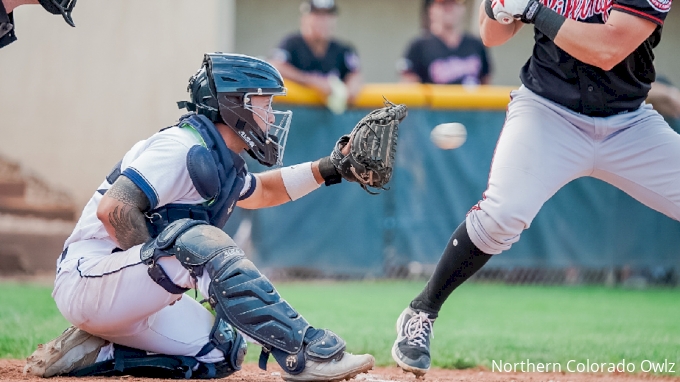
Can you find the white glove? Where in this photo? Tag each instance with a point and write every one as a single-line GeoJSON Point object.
{"type": "Point", "coordinates": [506, 11]}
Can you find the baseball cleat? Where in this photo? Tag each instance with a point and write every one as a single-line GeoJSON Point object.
{"type": "Point", "coordinates": [411, 350]}
{"type": "Point", "coordinates": [335, 370]}
{"type": "Point", "coordinates": [73, 349]}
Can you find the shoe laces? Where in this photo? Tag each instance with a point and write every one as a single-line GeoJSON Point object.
{"type": "Point", "coordinates": [418, 329]}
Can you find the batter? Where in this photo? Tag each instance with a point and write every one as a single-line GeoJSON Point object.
{"type": "Point", "coordinates": [580, 112]}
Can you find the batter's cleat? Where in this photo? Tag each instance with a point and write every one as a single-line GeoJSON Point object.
{"type": "Point", "coordinates": [73, 349]}
{"type": "Point", "coordinates": [411, 349]}
{"type": "Point", "coordinates": [335, 370]}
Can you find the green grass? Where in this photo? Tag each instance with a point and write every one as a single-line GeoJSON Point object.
{"type": "Point", "coordinates": [479, 324]}
{"type": "Point", "coordinates": [28, 316]}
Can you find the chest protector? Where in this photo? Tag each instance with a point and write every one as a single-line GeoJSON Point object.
{"type": "Point", "coordinates": [218, 174]}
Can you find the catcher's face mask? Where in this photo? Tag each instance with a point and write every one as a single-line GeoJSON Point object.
{"type": "Point", "coordinates": [268, 134]}
{"type": "Point", "coordinates": [274, 123]}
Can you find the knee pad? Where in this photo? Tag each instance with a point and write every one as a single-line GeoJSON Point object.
{"type": "Point", "coordinates": [164, 246]}
{"type": "Point", "coordinates": [194, 243]}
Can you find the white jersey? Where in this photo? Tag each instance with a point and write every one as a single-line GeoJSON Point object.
{"type": "Point", "coordinates": [158, 167]}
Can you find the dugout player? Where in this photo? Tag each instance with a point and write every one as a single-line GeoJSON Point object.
{"type": "Point", "coordinates": [312, 56]}
{"type": "Point", "coordinates": [152, 231]}
{"type": "Point", "coordinates": [580, 112]}
{"type": "Point", "coordinates": [7, 26]}
{"type": "Point", "coordinates": [446, 54]}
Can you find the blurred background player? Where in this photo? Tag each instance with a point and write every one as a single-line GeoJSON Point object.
{"type": "Point", "coordinates": [152, 231]}
{"type": "Point", "coordinates": [445, 53]}
{"type": "Point", "coordinates": [313, 57]}
{"type": "Point", "coordinates": [8, 27]}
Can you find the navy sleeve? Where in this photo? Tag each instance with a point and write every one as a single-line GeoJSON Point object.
{"type": "Point", "coordinates": [652, 10]}
{"type": "Point", "coordinates": [249, 186]}
{"type": "Point", "coordinates": [140, 181]}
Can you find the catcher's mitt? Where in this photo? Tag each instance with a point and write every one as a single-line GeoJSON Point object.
{"type": "Point", "coordinates": [373, 146]}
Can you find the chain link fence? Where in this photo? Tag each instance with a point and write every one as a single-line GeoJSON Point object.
{"type": "Point", "coordinates": [615, 276]}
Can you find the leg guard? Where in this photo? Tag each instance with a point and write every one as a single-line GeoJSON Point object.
{"type": "Point", "coordinates": [250, 302]}
{"type": "Point", "coordinates": [241, 295]}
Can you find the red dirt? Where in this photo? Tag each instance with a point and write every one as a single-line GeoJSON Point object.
{"type": "Point", "coordinates": [12, 370]}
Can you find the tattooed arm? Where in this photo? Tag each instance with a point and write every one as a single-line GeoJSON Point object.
{"type": "Point", "coordinates": [120, 210]}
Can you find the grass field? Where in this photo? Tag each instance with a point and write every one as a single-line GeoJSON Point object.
{"type": "Point", "coordinates": [479, 325]}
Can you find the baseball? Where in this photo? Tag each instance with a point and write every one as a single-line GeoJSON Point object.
{"type": "Point", "coordinates": [448, 136]}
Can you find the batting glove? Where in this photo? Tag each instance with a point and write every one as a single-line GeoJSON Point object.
{"type": "Point", "coordinates": [528, 11]}
{"type": "Point", "coordinates": [506, 11]}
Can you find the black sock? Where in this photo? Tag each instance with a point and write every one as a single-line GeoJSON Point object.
{"type": "Point", "coordinates": [457, 264]}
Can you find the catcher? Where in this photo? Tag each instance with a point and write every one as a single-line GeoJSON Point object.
{"type": "Point", "coordinates": [152, 231]}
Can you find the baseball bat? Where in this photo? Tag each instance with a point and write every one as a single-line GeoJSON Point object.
{"type": "Point", "coordinates": [504, 18]}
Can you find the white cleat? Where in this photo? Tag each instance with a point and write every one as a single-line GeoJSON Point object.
{"type": "Point", "coordinates": [73, 349]}
{"type": "Point", "coordinates": [347, 367]}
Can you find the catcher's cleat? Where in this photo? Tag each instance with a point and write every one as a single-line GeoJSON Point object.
{"type": "Point", "coordinates": [411, 350]}
{"type": "Point", "coordinates": [347, 366]}
{"type": "Point", "coordinates": [73, 349]}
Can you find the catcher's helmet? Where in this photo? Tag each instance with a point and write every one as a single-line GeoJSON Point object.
{"type": "Point", "coordinates": [60, 7]}
{"type": "Point", "coordinates": [221, 90]}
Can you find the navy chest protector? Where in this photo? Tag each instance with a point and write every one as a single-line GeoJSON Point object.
{"type": "Point", "coordinates": [218, 174]}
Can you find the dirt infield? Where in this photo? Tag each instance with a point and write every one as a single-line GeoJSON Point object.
{"type": "Point", "coordinates": [11, 370]}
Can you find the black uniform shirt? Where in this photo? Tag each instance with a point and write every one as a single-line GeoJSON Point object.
{"type": "Point", "coordinates": [7, 35]}
{"type": "Point", "coordinates": [435, 63]}
{"type": "Point", "coordinates": [554, 74]}
{"type": "Point", "coordinates": [340, 59]}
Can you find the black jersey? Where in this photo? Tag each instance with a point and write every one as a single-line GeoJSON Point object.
{"type": "Point", "coordinates": [435, 63]}
{"type": "Point", "coordinates": [340, 59]}
{"type": "Point", "coordinates": [556, 75]}
{"type": "Point", "coordinates": [7, 35]}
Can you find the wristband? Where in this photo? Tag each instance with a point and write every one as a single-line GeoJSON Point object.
{"type": "Point", "coordinates": [489, 9]}
{"type": "Point", "coordinates": [328, 172]}
{"type": "Point", "coordinates": [299, 180]}
{"type": "Point", "coordinates": [545, 19]}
